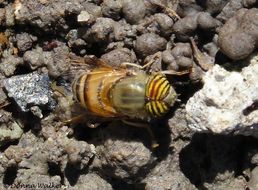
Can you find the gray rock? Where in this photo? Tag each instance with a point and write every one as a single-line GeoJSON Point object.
{"type": "Point", "coordinates": [83, 17]}
{"type": "Point", "coordinates": [226, 103]}
{"type": "Point", "coordinates": [187, 25]}
{"type": "Point", "coordinates": [165, 23]}
{"type": "Point", "coordinates": [10, 129]}
{"type": "Point", "coordinates": [29, 90]}
{"type": "Point", "coordinates": [207, 22]}
{"type": "Point", "coordinates": [248, 3]}
{"type": "Point", "coordinates": [253, 183]}
{"type": "Point", "coordinates": [34, 58]}
{"type": "Point", "coordinates": [133, 11]}
{"type": "Point", "coordinates": [123, 154]}
{"type": "Point", "coordinates": [2, 16]}
{"type": "Point", "coordinates": [112, 9]}
{"type": "Point", "coordinates": [118, 56]}
{"type": "Point", "coordinates": [92, 9]}
{"type": "Point", "coordinates": [149, 43]}
{"type": "Point", "coordinates": [91, 181]}
{"type": "Point", "coordinates": [238, 37]}
{"type": "Point", "coordinates": [214, 6]}
{"type": "Point", "coordinates": [179, 58]}
{"type": "Point", "coordinates": [25, 41]}
{"type": "Point", "coordinates": [9, 16]}
{"type": "Point", "coordinates": [3, 97]}
{"type": "Point", "coordinates": [57, 60]}
{"type": "Point", "coordinates": [9, 65]}
{"type": "Point", "coordinates": [166, 175]}
{"type": "Point", "coordinates": [99, 32]}
{"type": "Point", "coordinates": [46, 15]}
{"type": "Point", "coordinates": [230, 9]}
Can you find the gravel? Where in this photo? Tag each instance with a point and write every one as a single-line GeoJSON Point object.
{"type": "Point", "coordinates": [206, 141]}
{"type": "Point", "coordinates": [29, 90]}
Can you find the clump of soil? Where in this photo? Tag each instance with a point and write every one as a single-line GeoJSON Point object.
{"type": "Point", "coordinates": [37, 146]}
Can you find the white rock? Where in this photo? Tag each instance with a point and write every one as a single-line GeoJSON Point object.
{"type": "Point", "coordinates": [221, 105]}
{"type": "Point", "coordinates": [83, 17]}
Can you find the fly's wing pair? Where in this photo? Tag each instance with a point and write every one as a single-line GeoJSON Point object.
{"type": "Point", "coordinates": [80, 65]}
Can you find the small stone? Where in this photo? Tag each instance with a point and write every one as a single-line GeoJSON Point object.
{"type": "Point", "coordinates": [238, 37]}
{"type": "Point", "coordinates": [99, 32]}
{"type": "Point", "coordinates": [118, 56]}
{"type": "Point", "coordinates": [121, 153]}
{"type": "Point", "coordinates": [29, 90]}
{"type": "Point", "coordinates": [83, 17]}
{"type": "Point", "coordinates": [34, 58]}
{"type": "Point", "coordinates": [9, 65]}
{"type": "Point", "coordinates": [92, 9]}
{"type": "Point", "coordinates": [91, 181]}
{"type": "Point", "coordinates": [149, 43]}
{"type": "Point", "coordinates": [133, 11]}
{"type": "Point", "coordinates": [9, 16]}
{"type": "Point", "coordinates": [225, 103]}
{"type": "Point", "coordinates": [165, 24]}
{"type": "Point", "coordinates": [36, 111]}
{"type": "Point", "coordinates": [24, 41]}
{"type": "Point", "coordinates": [254, 159]}
{"type": "Point", "coordinates": [10, 129]}
{"type": "Point", "coordinates": [112, 8]}
{"type": "Point", "coordinates": [2, 16]}
{"type": "Point", "coordinates": [185, 26]}
{"type": "Point", "coordinates": [253, 182]}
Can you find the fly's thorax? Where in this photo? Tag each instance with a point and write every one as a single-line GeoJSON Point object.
{"type": "Point", "coordinates": [128, 96]}
{"type": "Point", "coordinates": [160, 95]}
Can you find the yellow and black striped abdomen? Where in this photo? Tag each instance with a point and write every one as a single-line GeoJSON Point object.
{"type": "Point", "coordinates": [92, 90]}
{"type": "Point", "coordinates": [160, 95]}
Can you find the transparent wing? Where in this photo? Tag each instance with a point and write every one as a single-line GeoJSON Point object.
{"type": "Point", "coordinates": [80, 65]}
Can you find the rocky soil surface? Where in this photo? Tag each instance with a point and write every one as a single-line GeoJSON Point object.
{"type": "Point", "coordinates": [216, 40]}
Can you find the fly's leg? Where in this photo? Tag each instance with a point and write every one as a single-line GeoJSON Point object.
{"type": "Point", "coordinates": [172, 72]}
{"type": "Point", "coordinates": [154, 143]}
{"type": "Point", "coordinates": [200, 58]}
{"type": "Point", "coordinates": [2, 105]}
{"type": "Point", "coordinates": [62, 93]}
{"type": "Point", "coordinates": [156, 56]}
{"type": "Point", "coordinates": [73, 120]}
{"type": "Point", "coordinates": [170, 12]}
{"type": "Point", "coordinates": [124, 65]}
{"type": "Point", "coordinates": [58, 89]}
{"type": "Point", "coordinates": [148, 64]}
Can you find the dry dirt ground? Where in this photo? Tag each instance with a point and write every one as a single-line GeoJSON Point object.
{"type": "Point", "coordinates": [39, 151]}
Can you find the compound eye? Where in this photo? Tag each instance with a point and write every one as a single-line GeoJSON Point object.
{"type": "Point", "coordinates": [157, 87]}
{"type": "Point", "coordinates": [156, 108]}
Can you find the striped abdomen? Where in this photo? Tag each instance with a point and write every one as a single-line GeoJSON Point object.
{"type": "Point", "coordinates": [160, 95]}
{"type": "Point", "coordinates": [92, 90]}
